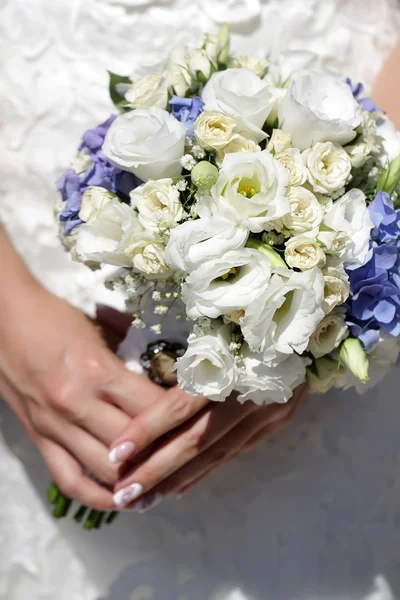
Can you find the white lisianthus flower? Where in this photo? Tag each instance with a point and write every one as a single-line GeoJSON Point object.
{"type": "Point", "coordinates": [330, 332]}
{"type": "Point", "coordinates": [319, 107]}
{"type": "Point", "coordinates": [214, 130]}
{"type": "Point", "coordinates": [146, 142]}
{"type": "Point", "coordinates": [178, 77]}
{"type": "Point", "coordinates": [208, 367]}
{"type": "Point", "coordinates": [225, 284]}
{"type": "Point", "coordinates": [358, 154]}
{"type": "Point", "coordinates": [286, 313]}
{"type": "Point", "coordinates": [350, 215]}
{"type": "Point", "coordinates": [196, 242]}
{"type": "Point", "coordinates": [293, 161]}
{"type": "Point", "coordinates": [329, 167]}
{"type": "Point", "coordinates": [303, 252]}
{"type": "Point", "coordinates": [390, 140]}
{"type": "Point", "coordinates": [258, 66]}
{"type": "Point", "coordinates": [264, 384]}
{"type": "Point", "coordinates": [242, 95]}
{"type": "Point", "coordinates": [306, 213]}
{"type": "Point", "coordinates": [199, 64]}
{"type": "Point", "coordinates": [158, 203]}
{"type": "Point", "coordinates": [94, 200]}
{"type": "Point", "coordinates": [150, 90]}
{"type": "Point", "coordinates": [251, 190]}
{"type": "Point", "coordinates": [238, 144]}
{"type": "Point", "coordinates": [280, 141]}
{"type": "Point", "coordinates": [334, 243]}
{"type": "Point", "coordinates": [336, 287]}
{"type": "Point", "coordinates": [323, 375]}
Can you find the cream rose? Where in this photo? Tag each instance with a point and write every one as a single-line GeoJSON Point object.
{"type": "Point", "coordinates": [147, 255]}
{"type": "Point", "coordinates": [214, 130]}
{"type": "Point", "coordinates": [323, 375]}
{"type": "Point", "coordinates": [319, 107]}
{"type": "Point", "coordinates": [94, 200]}
{"type": "Point", "coordinates": [330, 332]}
{"type": "Point", "coordinates": [303, 252]}
{"type": "Point", "coordinates": [238, 144]}
{"type": "Point", "coordinates": [293, 161]}
{"type": "Point", "coordinates": [146, 142]}
{"type": "Point", "coordinates": [358, 154]}
{"type": "Point", "coordinates": [158, 203]}
{"type": "Point", "coordinates": [306, 213]}
{"type": "Point", "coordinates": [258, 66]}
{"type": "Point", "coordinates": [336, 287]}
{"type": "Point", "coordinates": [280, 141]}
{"type": "Point", "coordinates": [334, 243]}
{"type": "Point", "coordinates": [151, 90]}
{"type": "Point", "coordinates": [329, 167]}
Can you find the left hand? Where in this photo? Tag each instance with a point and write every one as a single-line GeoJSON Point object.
{"type": "Point", "coordinates": [200, 442]}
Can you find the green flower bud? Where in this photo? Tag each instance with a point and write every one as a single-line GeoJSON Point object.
{"type": "Point", "coordinates": [204, 175]}
{"type": "Point", "coordinates": [390, 178]}
{"type": "Point", "coordinates": [223, 45]}
{"type": "Point", "coordinates": [355, 358]}
{"type": "Point", "coordinates": [274, 258]}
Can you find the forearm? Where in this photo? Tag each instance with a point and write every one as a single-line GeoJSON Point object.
{"type": "Point", "coordinates": [386, 92]}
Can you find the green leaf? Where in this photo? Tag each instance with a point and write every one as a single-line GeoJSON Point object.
{"type": "Point", "coordinates": [114, 80]}
{"type": "Point", "coordinates": [390, 178]}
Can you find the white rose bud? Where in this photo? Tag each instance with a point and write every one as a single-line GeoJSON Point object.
{"type": "Point", "coordinates": [94, 200]}
{"type": "Point", "coordinates": [336, 287]}
{"type": "Point", "coordinates": [323, 375]}
{"type": "Point", "coordinates": [358, 154]}
{"type": "Point", "coordinates": [237, 144]}
{"type": "Point", "coordinates": [147, 256]}
{"type": "Point", "coordinates": [329, 167]}
{"type": "Point", "coordinates": [151, 90]}
{"type": "Point", "coordinates": [199, 65]}
{"type": "Point", "coordinates": [158, 203]}
{"type": "Point", "coordinates": [280, 141]}
{"type": "Point", "coordinates": [303, 252]}
{"type": "Point", "coordinates": [330, 332]}
{"type": "Point", "coordinates": [293, 162]}
{"type": "Point", "coordinates": [178, 76]}
{"type": "Point", "coordinates": [334, 243]}
{"type": "Point", "coordinates": [209, 43]}
{"type": "Point", "coordinates": [214, 130]}
{"type": "Point", "coordinates": [256, 65]}
{"type": "Point", "coordinates": [306, 213]}
{"type": "Point", "coordinates": [355, 358]}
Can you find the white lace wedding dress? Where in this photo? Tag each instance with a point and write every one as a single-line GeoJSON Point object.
{"type": "Point", "coordinates": [311, 515]}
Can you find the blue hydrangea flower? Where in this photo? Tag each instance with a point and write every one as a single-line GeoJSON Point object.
{"type": "Point", "coordinates": [100, 173]}
{"type": "Point", "coordinates": [385, 218]}
{"type": "Point", "coordinates": [186, 110]}
{"type": "Point", "coordinates": [358, 90]}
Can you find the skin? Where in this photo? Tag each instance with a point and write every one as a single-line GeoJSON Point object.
{"type": "Point", "coordinates": [387, 87]}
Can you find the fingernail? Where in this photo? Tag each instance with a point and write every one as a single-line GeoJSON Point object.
{"type": "Point", "coordinates": [127, 495]}
{"type": "Point", "coordinates": [121, 452]}
{"type": "Point", "coordinates": [151, 501]}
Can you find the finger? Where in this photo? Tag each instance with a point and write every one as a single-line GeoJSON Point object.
{"type": "Point", "coordinates": [189, 441]}
{"type": "Point", "coordinates": [174, 408]}
{"type": "Point", "coordinates": [70, 478]}
{"type": "Point", "coordinates": [131, 392]}
{"type": "Point", "coordinates": [113, 319]}
{"type": "Point", "coordinates": [104, 421]}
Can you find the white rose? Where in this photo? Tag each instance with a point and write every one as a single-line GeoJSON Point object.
{"type": "Point", "coordinates": [323, 375]}
{"type": "Point", "coordinates": [336, 287]}
{"type": "Point", "coordinates": [319, 107]}
{"type": "Point", "coordinates": [104, 238]}
{"type": "Point", "coordinates": [306, 213]}
{"type": "Point", "coordinates": [293, 161]}
{"type": "Point", "coordinates": [265, 384]}
{"type": "Point", "coordinates": [286, 313]}
{"type": "Point", "coordinates": [94, 200]}
{"type": "Point", "coordinates": [151, 90]}
{"type": "Point", "coordinates": [242, 95]}
{"type": "Point", "coordinates": [208, 367]}
{"type": "Point", "coordinates": [258, 66]}
{"type": "Point", "coordinates": [214, 130]}
{"type": "Point", "coordinates": [199, 64]}
{"type": "Point", "coordinates": [390, 140]}
{"type": "Point", "coordinates": [303, 252]}
{"type": "Point", "coordinates": [159, 205]}
{"type": "Point", "coordinates": [280, 141]}
{"type": "Point", "coordinates": [350, 215]}
{"type": "Point", "coordinates": [329, 333]}
{"type": "Point", "coordinates": [225, 284]}
{"type": "Point", "coordinates": [329, 167]}
{"type": "Point", "coordinates": [334, 243]}
{"type": "Point", "coordinates": [209, 43]}
{"type": "Point", "coordinates": [195, 242]}
{"type": "Point", "coordinates": [238, 144]}
{"type": "Point", "coordinates": [147, 255]}
{"type": "Point", "coordinates": [146, 142]}
{"type": "Point", "coordinates": [251, 190]}
{"type": "Point", "coordinates": [358, 154]}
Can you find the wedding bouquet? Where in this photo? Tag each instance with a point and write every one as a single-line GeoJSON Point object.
{"type": "Point", "coordinates": [251, 204]}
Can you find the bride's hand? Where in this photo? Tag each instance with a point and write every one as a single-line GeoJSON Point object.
{"type": "Point", "coordinates": [72, 394]}
{"type": "Point", "coordinates": [201, 442]}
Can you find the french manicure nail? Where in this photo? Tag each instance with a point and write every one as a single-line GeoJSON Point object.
{"type": "Point", "coordinates": [127, 495]}
{"type": "Point", "coordinates": [151, 501]}
{"type": "Point", "coordinates": [121, 453]}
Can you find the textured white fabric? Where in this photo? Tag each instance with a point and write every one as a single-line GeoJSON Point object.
{"type": "Point", "coordinates": [312, 515]}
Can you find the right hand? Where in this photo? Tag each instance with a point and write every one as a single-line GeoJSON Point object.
{"type": "Point", "coordinates": [72, 394]}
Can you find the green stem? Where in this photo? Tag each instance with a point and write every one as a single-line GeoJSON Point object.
{"type": "Point", "coordinates": [53, 493]}
{"type": "Point", "coordinates": [80, 513]}
{"type": "Point", "coordinates": [62, 507]}
{"type": "Point", "coordinates": [111, 517]}
{"type": "Point", "coordinates": [90, 521]}
{"type": "Point", "coordinates": [99, 520]}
